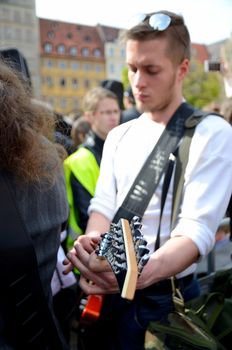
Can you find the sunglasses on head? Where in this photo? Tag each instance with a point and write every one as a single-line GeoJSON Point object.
{"type": "Point", "coordinates": [157, 21]}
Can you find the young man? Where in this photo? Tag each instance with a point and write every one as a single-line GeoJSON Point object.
{"type": "Point", "coordinates": [101, 110]}
{"type": "Point", "coordinates": [158, 58]}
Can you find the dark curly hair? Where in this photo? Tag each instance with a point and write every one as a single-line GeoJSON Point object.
{"type": "Point", "coordinates": [25, 130]}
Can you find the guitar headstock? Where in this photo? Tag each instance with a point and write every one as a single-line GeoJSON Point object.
{"type": "Point", "coordinates": [125, 250]}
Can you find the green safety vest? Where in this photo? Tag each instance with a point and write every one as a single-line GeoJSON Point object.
{"type": "Point", "coordinates": [85, 168]}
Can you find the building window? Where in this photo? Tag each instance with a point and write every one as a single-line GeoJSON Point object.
{"type": "Point", "coordinates": [28, 36]}
{"type": "Point", "coordinates": [17, 16]}
{"type": "Point", "coordinates": [6, 13]}
{"type": "Point", "coordinates": [47, 47]}
{"type": "Point", "coordinates": [122, 53]}
{"type": "Point", "coordinates": [51, 34]}
{"type": "Point", "coordinates": [111, 51]}
{"type": "Point", "coordinates": [62, 82]}
{"type": "Point", "coordinates": [87, 38]}
{"type": "Point", "coordinates": [69, 35]}
{"type": "Point", "coordinates": [18, 34]}
{"type": "Point", "coordinates": [62, 64]}
{"type": "Point", "coordinates": [112, 69]}
{"type": "Point", "coordinates": [98, 68]}
{"type": "Point", "coordinates": [97, 53]}
{"type": "Point", "coordinates": [85, 52]}
{"type": "Point", "coordinates": [86, 67]}
{"type": "Point", "coordinates": [75, 83]}
{"type": "Point", "coordinates": [74, 65]}
{"type": "Point", "coordinates": [49, 81]}
{"type": "Point", "coordinates": [55, 25]}
{"type": "Point", "coordinates": [73, 51]}
{"type": "Point", "coordinates": [8, 32]}
{"type": "Point", "coordinates": [48, 63]}
{"type": "Point", "coordinates": [63, 103]}
{"type": "Point", "coordinates": [61, 49]}
{"type": "Point", "coordinates": [28, 18]}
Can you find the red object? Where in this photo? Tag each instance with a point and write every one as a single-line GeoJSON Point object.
{"type": "Point", "coordinates": [92, 309]}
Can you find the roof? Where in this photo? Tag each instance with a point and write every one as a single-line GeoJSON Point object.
{"type": "Point", "coordinates": [108, 34]}
{"type": "Point", "coordinates": [70, 35]}
{"type": "Point", "coordinates": [200, 52]}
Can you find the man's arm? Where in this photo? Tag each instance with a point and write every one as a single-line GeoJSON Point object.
{"type": "Point", "coordinates": [170, 259]}
{"type": "Point", "coordinates": [97, 224]}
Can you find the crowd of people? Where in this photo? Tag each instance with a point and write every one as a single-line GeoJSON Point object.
{"type": "Point", "coordinates": [66, 182]}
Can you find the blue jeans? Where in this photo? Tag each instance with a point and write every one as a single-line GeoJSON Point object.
{"type": "Point", "coordinates": [128, 320]}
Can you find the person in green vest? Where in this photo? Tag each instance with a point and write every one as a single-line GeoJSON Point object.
{"type": "Point", "coordinates": [102, 111]}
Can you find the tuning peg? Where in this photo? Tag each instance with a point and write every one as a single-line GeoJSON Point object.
{"type": "Point", "coordinates": [143, 262]}
{"type": "Point", "coordinates": [143, 250]}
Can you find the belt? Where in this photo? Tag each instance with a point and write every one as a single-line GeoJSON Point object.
{"type": "Point", "coordinates": [165, 286]}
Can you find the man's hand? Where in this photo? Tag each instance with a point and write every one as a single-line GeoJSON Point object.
{"type": "Point", "coordinates": [85, 245]}
{"type": "Point", "coordinates": [83, 257]}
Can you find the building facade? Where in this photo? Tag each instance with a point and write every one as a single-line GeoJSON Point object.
{"type": "Point", "coordinates": [114, 50]}
{"type": "Point", "coordinates": [65, 59]}
{"type": "Point", "coordinates": [19, 29]}
{"type": "Point", "coordinates": [72, 62]}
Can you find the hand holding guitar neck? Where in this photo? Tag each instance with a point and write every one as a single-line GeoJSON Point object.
{"type": "Point", "coordinates": [125, 250]}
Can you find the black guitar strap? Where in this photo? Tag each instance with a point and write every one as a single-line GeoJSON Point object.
{"type": "Point", "coordinates": [29, 322]}
{"type": "Point", "coordinates": [155, 166]}
{"type": "Point", "coordinates": [136, 204]}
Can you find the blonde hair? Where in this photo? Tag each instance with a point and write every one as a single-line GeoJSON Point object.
{"type": "Point", "coordinates": [94, 96]}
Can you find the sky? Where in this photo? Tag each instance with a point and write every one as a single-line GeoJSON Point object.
{"type": "Point", "coordinates": [208, 21]}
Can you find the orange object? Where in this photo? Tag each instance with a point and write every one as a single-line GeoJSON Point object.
{"type": "Point", "coordinates": [92, 309]}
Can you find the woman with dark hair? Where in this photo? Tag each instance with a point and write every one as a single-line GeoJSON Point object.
{"type": "Point", "coordinates": [33, 213]}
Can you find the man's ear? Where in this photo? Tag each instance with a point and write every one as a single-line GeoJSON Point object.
{"type": "Point", "coordinates": [88, 117]}
{"type": "Point", "coordinates": [183, 69]}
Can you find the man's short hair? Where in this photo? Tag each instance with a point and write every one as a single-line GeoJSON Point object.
{"type": "Point", "coordinates": [177, 34]}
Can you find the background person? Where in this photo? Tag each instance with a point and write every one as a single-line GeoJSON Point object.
{"type": "Point", "coordinates": [101, 110]}
{"type": "Point", "coordinates": [130, 111]}
{"type": "Point", "coordinates": [158, 59]}
{"type": "Point", "coordinates": [80, 129]}
{"type": "Point", "coordinates": [31, 167]}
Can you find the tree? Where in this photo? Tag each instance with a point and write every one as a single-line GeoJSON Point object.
{"type": "Point", "coordinates": [125, 79]}
{"type": "Point", "coordinates": [201, 88]}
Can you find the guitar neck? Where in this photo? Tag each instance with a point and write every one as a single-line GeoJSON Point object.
{"type": "Point", "coordinates": [130, 282]}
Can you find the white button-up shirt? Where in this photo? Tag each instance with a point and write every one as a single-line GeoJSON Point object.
{"type": "Point", "coordinates": [207, 185]}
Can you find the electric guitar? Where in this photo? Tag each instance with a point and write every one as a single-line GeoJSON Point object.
{"type": "Point", "coordinates": [125, 250]}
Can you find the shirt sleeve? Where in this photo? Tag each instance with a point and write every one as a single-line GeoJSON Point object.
{"type": "Point", "coordinates": [208, 183]}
